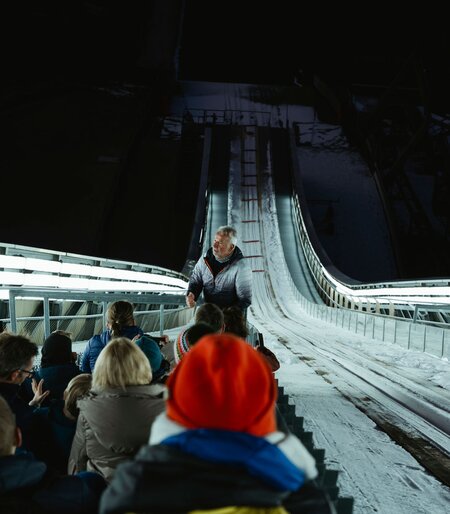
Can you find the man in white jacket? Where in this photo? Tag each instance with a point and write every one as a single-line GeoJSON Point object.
{"type": "Point", "coordinates": [222, 274]}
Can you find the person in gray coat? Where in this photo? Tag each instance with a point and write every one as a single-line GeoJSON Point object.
{"type": "Point", "coordinates": [222, 274]}
{"type": "Point", "coordinates": [116, 416]}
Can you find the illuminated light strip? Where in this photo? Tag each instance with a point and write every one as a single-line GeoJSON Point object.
{"type": "Point", "coordinates": [401, 295]}
{"type": "Point", "coordinates": [17, 279]}
{"type": "Point", "coordinates": [398, 292]}
{"type": "Point", "coordinates": [32, 264]}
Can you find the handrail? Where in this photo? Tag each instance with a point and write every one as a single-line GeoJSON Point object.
{"type": "Point", "coordinates": [340, 291]}
{"type": "Point", "coordinates": [12, 250]}
{"type": "Point", "coordinates": [104, 298]}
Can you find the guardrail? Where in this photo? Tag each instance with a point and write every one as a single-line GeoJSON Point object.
{"type": "Point", "coordinates": [46, 296]}
{"type": "Point", "coordinates": [414, 314]}
{"type": "Point", "coordinates": [228, 117]}
{"type": "Point", "coordinates": [14, 256]}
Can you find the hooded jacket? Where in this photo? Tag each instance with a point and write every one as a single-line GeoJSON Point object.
{"type": "Point", "coordinates": [231, 286]}
{"type": "Point", "coordinates": [56, 379]}
{"type": "Point", "coordinates": [112, 425]}
{"type": "Point", "coordinates": [238, 474]}
{"type": "Point", "coordinates": [96, 344]}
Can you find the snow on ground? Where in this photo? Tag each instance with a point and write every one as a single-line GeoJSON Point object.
{"type": "Point", "coordinates": [378, 473]}
{"type": "Point", "coordinates": [347, 186]}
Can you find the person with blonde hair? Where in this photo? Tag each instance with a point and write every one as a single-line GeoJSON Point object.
{"type": "Point", "coordinates": [116, 415]}
{"type": "Point", "coordinates": [217, 447]}
{"type": "Point", "coordinates": [78, 387]}
{"type": "Point", "coordinates": [120, 323]}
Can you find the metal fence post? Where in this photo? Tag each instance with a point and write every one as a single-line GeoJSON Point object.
{"type": "Point", "coordinates": [424, 337]}
{"type": "Point", "coordinates": [12, 312]}
{"type": "Point", "coordinates": [161, 319]}
{"type": "Point", "coordinates": [46, 317]}
{"type": "Point", "coordinates": [105, 309]}
{"type": "Point", "coordinates": [443, 343]}
{"type": "Point", "coordinates": [409, 336]}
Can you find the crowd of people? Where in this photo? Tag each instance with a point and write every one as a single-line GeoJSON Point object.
{"type": "Point", "coordinates": [139, 428]}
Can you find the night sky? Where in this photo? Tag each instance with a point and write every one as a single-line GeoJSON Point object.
{"type": "Point", "coordinates": [51, 46]}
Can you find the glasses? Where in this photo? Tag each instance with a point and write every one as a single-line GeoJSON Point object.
{"type": "Point", "coordinates": [30, 373]}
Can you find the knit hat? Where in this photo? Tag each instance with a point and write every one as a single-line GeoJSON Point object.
{"type": "Point", "coordinates": [56, 351]}
{"type": "Point", "coordinates": [181, 346]}
{"type": "Point", "coordinates": [223, 383]}
{"type": "Point", "coordinates": [189, 336]}
{"type": "Point", "coordinates": [151, 349]}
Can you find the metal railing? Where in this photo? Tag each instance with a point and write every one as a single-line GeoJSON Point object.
{"type": "Point", "coordinates": [154, 311]}
{"type": "Point", "coordinates": [228, 117]}
{"type": "Point", "coordinates": [398, 318]}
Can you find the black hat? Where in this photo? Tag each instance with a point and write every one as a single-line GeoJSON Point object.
{"type": "Point", "coordinates": [57, 350]}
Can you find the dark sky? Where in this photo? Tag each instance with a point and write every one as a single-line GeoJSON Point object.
{"type": "Point", "coordinates": [97, 41]}
{"type": "Point", "coordinates": [268, 41]}
{"type": "Point", "coordinates": [235, 40]}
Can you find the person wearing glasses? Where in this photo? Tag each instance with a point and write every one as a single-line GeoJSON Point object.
{"type": "Point", "coordinates": [17, 354]}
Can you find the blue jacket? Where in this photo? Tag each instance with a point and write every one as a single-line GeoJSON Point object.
{"type": "Point", "coordinates": [27, 481]}
{"type": "Point", "coordinates": [231, 286]}
{"type": "Point", "coordinates": [96, 344]}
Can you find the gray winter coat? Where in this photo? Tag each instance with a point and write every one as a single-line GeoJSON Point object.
{"type": "Point", "coordinates": [112, 426]}
{"type": "Point", "coordinates": [231, 286]}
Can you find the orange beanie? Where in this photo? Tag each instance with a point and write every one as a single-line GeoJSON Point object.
{"type": "Point", "coordinates": [223, 383]}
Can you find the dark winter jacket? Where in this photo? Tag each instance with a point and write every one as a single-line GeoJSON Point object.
{"type": "Point", "coordinates": [96, 344]}
{"type": "Point", "coordinates": [36, 436]}
{"type": "Point", "coordinates": [55, 378]}
{"type": "Point", "coordinates": [232, 285]}
{"type": "Point", "coordinates": [26, 485]}
{"type": "Point", "coordinates": [181, 483]}
{"type": "Point", "coordinates": [62, 430]}
{"type": "Point", "coordinates": [209, 468]}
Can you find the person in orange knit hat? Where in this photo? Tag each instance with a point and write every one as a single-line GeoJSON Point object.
{"type": "Point", "coordinates": [217, 445]}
